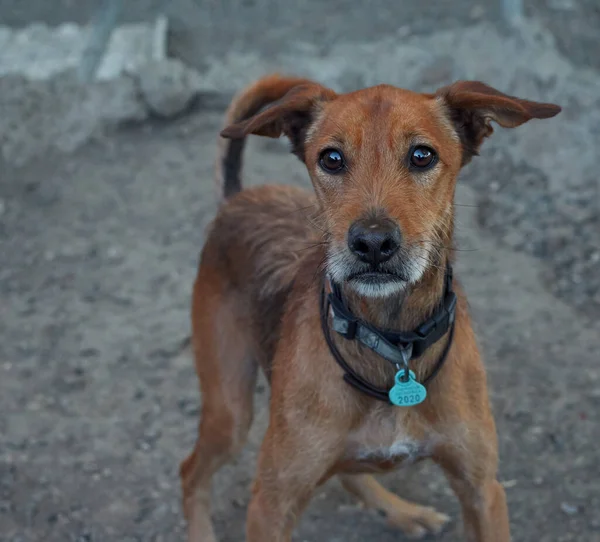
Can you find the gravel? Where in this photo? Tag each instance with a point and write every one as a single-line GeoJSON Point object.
{"type": "Point", "coordinates": [100, 231]}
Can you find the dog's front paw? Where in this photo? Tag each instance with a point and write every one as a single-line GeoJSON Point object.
{"type": "Point", "coordinates": [418, 522]}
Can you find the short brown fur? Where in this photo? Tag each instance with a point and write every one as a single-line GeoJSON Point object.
{"type": "Point", "coordinates": [256, 303]}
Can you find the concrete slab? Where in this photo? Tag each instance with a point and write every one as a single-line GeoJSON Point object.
{"type": "Point", "coordinates": [40, 52]}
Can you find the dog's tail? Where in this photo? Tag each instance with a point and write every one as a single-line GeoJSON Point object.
{"type": "Point", "coordinates": [243, 106]}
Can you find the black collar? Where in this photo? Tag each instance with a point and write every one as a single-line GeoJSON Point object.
{"type": "Point", "coordinates": [397, 347]}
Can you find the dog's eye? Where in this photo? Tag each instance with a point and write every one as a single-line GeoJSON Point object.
{"type": "Point", "coordinates": [332, 161]}
{"type": "Point", "coordinates": [422, 157]}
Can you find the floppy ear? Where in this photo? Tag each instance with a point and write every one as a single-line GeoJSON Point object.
{"type": "Point", "coordinates": [292, 114]}
{"type": "Point", "coordinates": [472, 106]}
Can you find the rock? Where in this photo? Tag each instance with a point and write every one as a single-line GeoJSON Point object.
{"type": "Point", "coordinates": [43, 105]}
{"type": "Point", "coordinates": [569, 509]}
{"type": "Point", "coordinates": [168, 87]}
{"type": "Point", "coordinates": [38, 116]}
{"type": "Point", "coordinates": [41, 52]}
{"type": "Point", "coordinates": [238, 502]}
{"type": "Point", "coordinates": [189, 407]}
{"type": "Point", "coordinates": [114, 254]}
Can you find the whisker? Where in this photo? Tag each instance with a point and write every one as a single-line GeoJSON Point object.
{"type": "Point", "coordinates": [320, 268]}
{"type": "Point", "coordinates": [429, 262]}
{"type": "Point", "coordinates": [441, 247]}
{"type": "Point", "coordinates": [316, 226]}
{"type": "Point", "coordinates": [307, 248]}
{"type": "Point", "coordinates": [305, 207]}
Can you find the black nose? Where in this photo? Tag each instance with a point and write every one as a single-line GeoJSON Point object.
{"type": "Point", "coordinates": [374, 241]}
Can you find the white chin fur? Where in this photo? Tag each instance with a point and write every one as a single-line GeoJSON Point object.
{"type": "Point", "coordinates": [340, 261]}
{"type": "Point", "coordinates": [377, 290]}
{"type": "Point", "coordinates": [417, 264]}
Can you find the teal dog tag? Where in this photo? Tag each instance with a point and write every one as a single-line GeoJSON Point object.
{"type": "Point", "coordinates": [409, 393]}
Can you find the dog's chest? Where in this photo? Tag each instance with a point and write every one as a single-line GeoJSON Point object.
{"type": "Point", "coordinates": [386, 441]}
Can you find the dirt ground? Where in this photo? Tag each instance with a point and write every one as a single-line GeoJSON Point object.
{"type": "Point", "coordinates": [98, 250]}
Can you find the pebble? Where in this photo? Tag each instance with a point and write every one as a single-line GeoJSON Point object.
{"type": "Point", "coordinates": [113, 253]}
{"type": "Point", "coordinates": [238, 502]}
{"type": "Point", "coordinates": [403, 31]}
{"type": "Point", "coordinates": [152, 434]}
{"type": "Point", "coordinates": [569, 509]}
{"type": "Point", "coordinates": [477, 12]}
{"type": "Point", "coordinates": [189, 407]}
{"type": "Point", "coordinates": [139, 394]}
{"type": "Point", "coordinates": [168, 86]}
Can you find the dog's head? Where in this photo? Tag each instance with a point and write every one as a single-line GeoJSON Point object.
{"type": "Point", "coordinates": [383, 162]}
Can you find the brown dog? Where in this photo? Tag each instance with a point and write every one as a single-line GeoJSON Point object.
{"type": "Point", "coordinates": [309, 288]}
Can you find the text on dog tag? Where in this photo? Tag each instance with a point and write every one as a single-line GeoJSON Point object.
{"type": "Point", "coordinates": [409, 393]}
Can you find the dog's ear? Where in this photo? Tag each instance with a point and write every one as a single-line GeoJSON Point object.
{"type": "Point", "coordinates": [299, 100]}
{"type": "Point", "coordinates": [472, 106]}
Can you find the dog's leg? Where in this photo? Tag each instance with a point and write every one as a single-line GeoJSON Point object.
{"type": "Point", "coordinates": [414, 520]}
{"type": "Point", "coordinates": [292, 464]}
{"type": "Point", "coordinates": [471, 471]}
{"type": "Point", "coordinates": [485, 513]}
{"type": "Point", "coordinates": [227, 377]}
